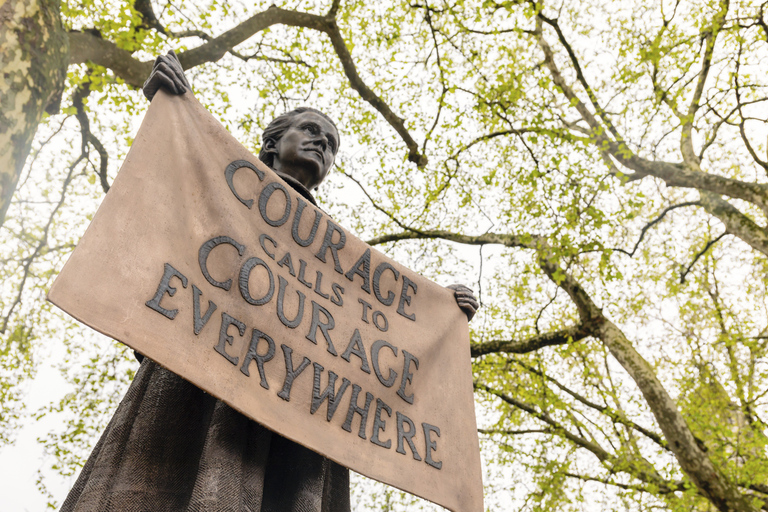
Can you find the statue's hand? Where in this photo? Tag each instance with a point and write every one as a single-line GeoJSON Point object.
{"type": "Point", "coordinates": [167, 74]}
{"type": "Point", "coordinates": [466, 299]}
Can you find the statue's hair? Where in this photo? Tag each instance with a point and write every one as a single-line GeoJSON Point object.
{"type": "Point", "coordinates": [278, 127]}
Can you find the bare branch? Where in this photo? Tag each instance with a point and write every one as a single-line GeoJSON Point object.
{"type": "Point", "coordinates": [43, 242]}
{"type": "Point", "coordinates": [687, 449]}
{"type": "Point", "coordinates": [742, 130]}
{"type": "Point", "coordinates": [508, 240]}
{"type": "Point", "coordinates": [334, 9]}
{"type": "Point", "coordinates": [87, 47]}
{"type": "Point", "coordinates": [637, 468]}
{"type": "Point", "coordinates": [441, 99]}
{"type": "Point", "coordinates": [561, 337]}
{"type": "Point", "coordinates": [369, 96]}
{"type": "Point", "coordinates": [78, 101]}
{"type": "Point", "coordinates": [710, 37]}
{"type": "Point", "coordinates": [654, 222]}
{"type": "Point", "coordinates": [698, 255]}
{"type": "Point", "coordinates": [616, 417]}
{"type": "Point", "coordinates": [669, 488]}
{"type": "Point", "coordinates": [674, 175]}
{"type": "Point", "coordinates": [493, 431]}
{"type": "Point", "coordinates": [580, 76]}
{"type": "Point", "coordinates": [598, 451]}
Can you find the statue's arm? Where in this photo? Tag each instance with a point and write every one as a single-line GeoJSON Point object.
{"type": "Point", "coordinates": [166, 74]}
{"type": "Point", "coordinates": [466, 299]}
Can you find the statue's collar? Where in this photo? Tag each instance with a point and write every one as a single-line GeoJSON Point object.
{"type": "Point", "coordinates": [297, 186]}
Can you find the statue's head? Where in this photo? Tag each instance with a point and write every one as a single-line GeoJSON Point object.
{"type": "Point", "coordinates": [301, 143]}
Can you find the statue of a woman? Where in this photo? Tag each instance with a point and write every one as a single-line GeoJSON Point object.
{"type": "Point", "coordinates": [172, 447]}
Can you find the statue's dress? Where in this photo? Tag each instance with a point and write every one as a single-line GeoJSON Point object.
{"type": "Point", "coordinates": [172, 447]}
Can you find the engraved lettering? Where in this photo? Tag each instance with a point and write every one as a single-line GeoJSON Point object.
{"type": "Point", "coordinates": [324, 326]}
{"type": "Point", "coordinates": [431, 445]}
{"type": "Point", "coordinates": [304, 242]}
{"type": "Point", "coordinates": [381, 319]}
{"type": "Point", "coordinates": [200, 321]}
{"type": "Point", "coordinates": [290, 372]}
{"type": "Point", "coordinates": [165, 287]}
{"type": "Point", "coordinates": [244, 282]}
{"type": "Point", "coordinates": [318, 284]}
{"type": "Point", "coordinates": [406, 435]}
{"type": "Point", "coordinates": [262, 238]}
{"type": "Point", "coordinates": [407, 375]}
{"type": "Point", "coordinates": [338, 291]}
{"type": "Point", "coordinates": [205, 250]}
{"type": "Point", "coordinates": [280, 307]}
{"type": "Point", "coordinates": [366, 307]}
{"type": "Point", "coordinates": [377, 287]}
{"type": "Point", "coordinates": [264, 198]}
{"type": "Point", "coordinates": [333, 397]}
{"type": "Point", "coordinates": [225, 339]}
{"type": "Point", "coordinates": [375, 348]}
{"type": "Point", "coordinates": [229, 174]}
{"type": "Point", "coordinates": [286, 261]}
{"type": "Point", "coordinates": [328, 243]}
{"type": "Point", "coordinates": [253, 354]}
{"type": "Point", "coordinates": [362, 411]}
{"type": "Point", "coordinates": [302, 269]}
{"type": "Point", "coordinates": [379, 424]}
{"type": "Point", "coordinates": [363, 269]}
{"type": "Point", "coordinates": [406, 299]}
{"type": "Point", "coordinates": [357, 348]}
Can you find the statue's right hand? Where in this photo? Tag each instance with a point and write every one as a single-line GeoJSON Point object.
{"type": "Point", "coordinates": [167, 74]}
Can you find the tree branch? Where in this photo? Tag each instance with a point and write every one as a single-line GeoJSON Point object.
{"type": "Point", "coordinates": [669, 488]}
{"type": "Point", "coordinates": [41, 244]}
{"type": "Point", "coordinates": [686, 447]}
{"type": "Point", "coordinates": [78, 101]}
{"type": "Point", "coordinates": [561, 337]}
{"type": "Point", "coordinates": [688, 450]}
{"type": "Point", "coordinates": [580, 76]}
{"type": "Point", "coordinates": [615, 416]}
{"type": "Point", "coordinates": [369, 96]}
{"type": "Point", "coordinates": [735, 222]}
{"type": "Point", "coordinates": [654, 222]}
{"type": "Point", "coordinates": [710, 37]}
{"type": "Point", "coordinates": [523, 241]}
{"type": "Point", "coordinates": [674, 175]}
{"type": "Point", "coordinates": [701, 253]}
{"type": "Point", "coordinates": [598, 451]}
{"type": "Point", "coordinates": [639, 469]}
{"type": "Point", "coordinates": [87, 47]}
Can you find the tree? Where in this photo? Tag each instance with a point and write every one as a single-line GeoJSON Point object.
{"type": "Point", "coordinates": [605, 160]}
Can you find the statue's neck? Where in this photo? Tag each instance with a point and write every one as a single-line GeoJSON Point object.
{"type": "Point", "coordinates": [297, 186]}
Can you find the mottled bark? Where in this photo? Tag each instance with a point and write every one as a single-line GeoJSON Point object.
{"type": "Point", "coordinates": [688, 451]}
{"type": "Point", "coordinates": [735, 221]}
{"type": "Point", "coordinates": [685, 174]}
{"type": "Point", "coordinates": [34, 57]}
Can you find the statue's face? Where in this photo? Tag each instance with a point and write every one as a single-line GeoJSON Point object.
{"type": "Point", "coordinates": [307, 149]}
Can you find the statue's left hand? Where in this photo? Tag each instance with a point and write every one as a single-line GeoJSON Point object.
{"type": "Point", "coordinates": [167, 74]}
{"type": "Point", "coordinates": [466, 299]}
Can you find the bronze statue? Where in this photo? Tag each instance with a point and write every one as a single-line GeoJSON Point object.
{"type": "Point", "coordinates": [172, 447]}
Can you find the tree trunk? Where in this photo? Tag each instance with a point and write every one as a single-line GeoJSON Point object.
{"type": "Point", "coordinates": [34, 55]}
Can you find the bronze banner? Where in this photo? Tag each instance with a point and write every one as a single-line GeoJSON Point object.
{"type": "Point", "coordinates": [204, 260]}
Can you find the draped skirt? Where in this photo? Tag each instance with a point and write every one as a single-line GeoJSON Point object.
{"type": "Point", "coordinates": [172, 447]}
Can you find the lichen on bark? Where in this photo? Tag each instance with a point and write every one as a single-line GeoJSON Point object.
{"type": "Point", "coordinates": [34, 54]}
